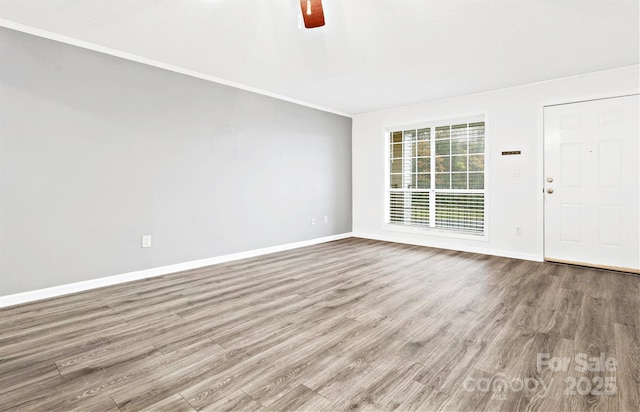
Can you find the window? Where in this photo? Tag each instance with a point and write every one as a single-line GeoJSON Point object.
{"type": "Point", "coordinates": [436, 177]}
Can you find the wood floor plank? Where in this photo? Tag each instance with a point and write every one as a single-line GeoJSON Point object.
{"type": "Point", "coordinates": [624, 286]}
{"type": "Point", "coordinates": [237, 401]}
{"type": "Point", "coordinates": [626, 312]}
{"type": "Point", "coordinates": [38, 349]}
{"type": "Point", "coordinates": [175, 380]}
{"type": "Point", "coordinates": [105, 404]}
{"type": "Point", "coordinates": [383, 340]}
{"type": "Point", "coordinates": [595, 331]}
{"type": "Point", "coordinates": [319, 355]}
{"type": "Point", "coordinates": [174, 403]}
{"type": "Point", "coordinates": [122, 352]}
{"type": "Point", "coordinates": [427, 340]}
{"type": "Point", "coordinates": [472, 396]}
{"type": "Point", "coordinates": [122, 377]}
{"type": "Point", "coordinates": [504, 354]}
{"type": "Point", "coordinates": [445, 369]}
{"type": "Point", "coordinates": [76, 325]}
{"type": "Point", "coordinates": [627, 375]}
{"type": "Point", "coordinates": [87, 387]}
{"type": "Point", "coordinates": [535, 388]}
{"type": "Point", "coordinates": [416, 396]}
{"type": "Point", "coordinates": [587, 393]}
{"type": "Point", "coordinates": [353, 324]}
{"type": "Point", "coordinates": [301, 398]}
{"type": "Point", "coordinates": [557, 312]}
{"type": "Point", "coordinates": [269, 371]}
{"type": "Point", "coordinates": [595, 283]}
{"type": "Point", "coordinates": [549, 393]}
{"type": "Point", "coordinates": [28, 373]}
{"type": "Point", "coordinates": [379, 389]}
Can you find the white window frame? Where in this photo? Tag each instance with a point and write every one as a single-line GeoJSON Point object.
{"type": "Point", "coordinates": [430, 230]}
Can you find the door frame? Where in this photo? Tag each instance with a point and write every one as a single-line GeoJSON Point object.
{"type": "Point", "coordinates": [541, 152]}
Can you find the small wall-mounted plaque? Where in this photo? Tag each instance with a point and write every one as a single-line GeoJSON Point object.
{"type": "Point", "coordinates": [512, 152]}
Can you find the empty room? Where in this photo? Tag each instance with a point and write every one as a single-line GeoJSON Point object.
{"type": "Point", "coordinates": [320, 205]}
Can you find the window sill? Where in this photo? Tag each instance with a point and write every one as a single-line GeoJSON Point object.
{"type": "Point", "coordinates": [430, 231]}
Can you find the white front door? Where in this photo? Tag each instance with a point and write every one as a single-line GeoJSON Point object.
{"type": "Point", "coordinates": [592, 183]}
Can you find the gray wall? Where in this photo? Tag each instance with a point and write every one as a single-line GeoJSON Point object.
{"type": "Point", "coordinates": [96, 151]}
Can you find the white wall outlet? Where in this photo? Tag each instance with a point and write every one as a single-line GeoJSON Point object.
{"type": "Point", "coordinates": [313, 220]}
{"type": "Point", "coordinates": [518, 231]}
{"type": "Point", "coordinates": [146, 241]}
{"type": "Point", "coordinates": [326, 219]}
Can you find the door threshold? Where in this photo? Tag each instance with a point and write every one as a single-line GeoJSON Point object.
{"type": "Point", "coordinates": [594, 266]}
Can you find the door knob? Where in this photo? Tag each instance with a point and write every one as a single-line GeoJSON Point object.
{"type": "Point", "coordinates": [549, 191]}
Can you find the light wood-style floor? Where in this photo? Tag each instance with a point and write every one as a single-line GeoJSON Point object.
{"type": "Point", "coordinates": [347, 325]}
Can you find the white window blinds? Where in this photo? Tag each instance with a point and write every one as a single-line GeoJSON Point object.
{"type": "Point", "coordinates": [436, 177]}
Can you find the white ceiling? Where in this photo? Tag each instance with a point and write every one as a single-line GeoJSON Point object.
{"type": "Point", "coordinates": [372, 54]}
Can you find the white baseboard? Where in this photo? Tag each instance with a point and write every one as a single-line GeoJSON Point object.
{"type": "Point", "coordinates": [481, 250]}
{"type": "Point", "coordinates": [54, 291]}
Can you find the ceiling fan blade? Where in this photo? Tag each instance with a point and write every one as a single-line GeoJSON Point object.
{"type": "Point", "coordinates": [312, 13]}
